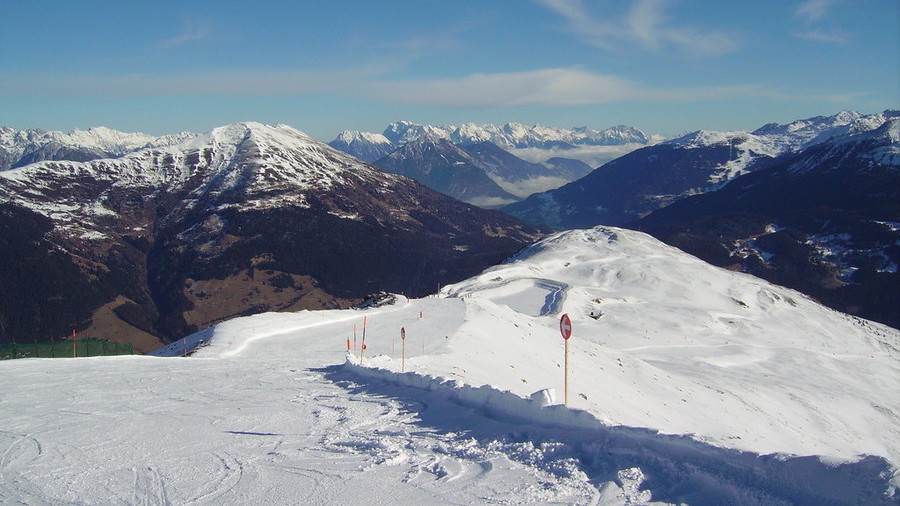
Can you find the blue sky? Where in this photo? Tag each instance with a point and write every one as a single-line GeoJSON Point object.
{"type": "Point", "coordinates": [665, 66]}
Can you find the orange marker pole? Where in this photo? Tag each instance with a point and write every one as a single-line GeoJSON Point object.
{"type": "Point", "coordinates": [74, 345]}
{"type": "Point", "coordinates": [363, 344]}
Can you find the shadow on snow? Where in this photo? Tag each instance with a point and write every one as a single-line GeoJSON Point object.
{"type": "Point", "coordinates": [675, 469]}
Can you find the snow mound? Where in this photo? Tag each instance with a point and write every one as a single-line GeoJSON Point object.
{"type": "Point", "coordinates": [661, 341]}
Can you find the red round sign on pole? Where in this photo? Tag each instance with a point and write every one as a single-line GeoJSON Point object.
{"type": "Point", "coordinates": [565, 326]}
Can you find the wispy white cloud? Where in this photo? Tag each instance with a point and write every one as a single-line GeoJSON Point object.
{"type": "Point", "coordinates": [645, 22]}
{"type": "Point", "coordinates": [813, 10]}
{"type": "Point", "coordinates": [235, 83]}
{"type": "Point", "coordinates": [537, 87]}
{"type": "Point", "coordinates": [191, 30]}
{"type": "Point", "coordinates": [543, 87]}
{"type": "Point", "coordinates": [833, 37]}
{"type": "Point", "coordinates": [812, 14]}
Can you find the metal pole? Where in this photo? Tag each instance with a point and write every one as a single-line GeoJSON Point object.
{"type": "Point", "coordinates": [566, 380]}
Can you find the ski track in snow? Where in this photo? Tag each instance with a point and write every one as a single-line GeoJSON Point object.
{"type": "Point", "coordinates": [324, 434]}
{"type": "Point", "coordinates": [555, 297]}
{"type": "Point", "coordinates": [294, 436]}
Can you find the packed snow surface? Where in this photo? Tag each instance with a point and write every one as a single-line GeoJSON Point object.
{"type": "Point", "coordinates": [687, 384]}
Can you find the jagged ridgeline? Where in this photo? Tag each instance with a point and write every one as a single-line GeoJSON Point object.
{"type": "Point", "coordinates": [163, 240]}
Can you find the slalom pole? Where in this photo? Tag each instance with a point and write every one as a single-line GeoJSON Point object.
{"type": "Point", "coordinates": [363, 345]}
{"type": "Point", "coordinates": [74, 345]}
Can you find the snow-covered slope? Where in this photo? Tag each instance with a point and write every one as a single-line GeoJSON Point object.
{"type": "Point", "coordinates": [661, 341]}
{"type": "Point", "coordinates": [684, 380]}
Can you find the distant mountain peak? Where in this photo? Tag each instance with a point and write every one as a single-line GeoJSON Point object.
{"type": "Point", "coordinates": [350, 136]}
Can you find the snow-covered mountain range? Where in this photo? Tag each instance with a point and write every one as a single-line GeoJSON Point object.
{"type": "Point", "coordinates": [769, 141]}
{"type": "Point", "coordinates": [244, 218]}
{"type": "Point", "coordinates": [688, 384]}
{"type": "Point", "coordinates": [655, 176]}
{"type": "Point", "coordinates": [513, 137]}
{"type": "Point", "coordinates": [21, 147]}
{"type": "Point", "coordinates": [482, 173]}
{"type": "Point", "coordinates": [553, 153]}
{"type": "Point", "coordinates": [448, 168]}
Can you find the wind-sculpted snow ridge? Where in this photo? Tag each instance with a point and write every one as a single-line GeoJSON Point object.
{"type": "Point", "coordinates": [683, 468]}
